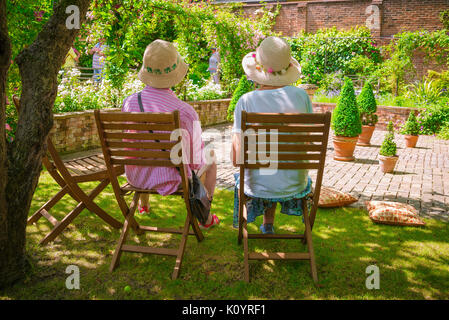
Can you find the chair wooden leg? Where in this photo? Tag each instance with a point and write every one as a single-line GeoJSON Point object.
{"type": "Point", "coordinates": [196, 229]}
{"type": "Point", "coordinates": [59, 227]}
{"type": "Point", "coordinates": [182, 247]}
{"type": "Point", "coordinates": [126, 226]}
{"type": "Point", "coordinates": [245, 245]}
{"type": "Point", "coordinates": [241, 208]}
{"type": "Point", "coordinates": [308, 236]}
{"type": "Point", "coordinates": [48, 205]}
{"type": "Point", "coordinates": [93, 207]}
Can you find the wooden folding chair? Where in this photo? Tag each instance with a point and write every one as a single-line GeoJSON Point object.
{"type": "Point", "coordinates": [301, 144]}
{"type": "Point", "coordinates": [68, 174]}
{"type": "Point", "coordinates": [128, 139]}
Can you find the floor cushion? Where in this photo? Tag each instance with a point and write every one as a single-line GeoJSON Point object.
{"type": "Point", "coordinates": [330, 198]}
{"type": "Point", "coordinates": [393, 213]}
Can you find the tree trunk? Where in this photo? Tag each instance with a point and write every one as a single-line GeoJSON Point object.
{"type": "Point", "coordinates": [39, 65]}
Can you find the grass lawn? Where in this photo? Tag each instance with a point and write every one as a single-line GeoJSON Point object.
{"type": "Point", "coordinates": [413, 262]}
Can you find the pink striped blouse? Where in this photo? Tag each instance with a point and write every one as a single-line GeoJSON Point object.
{"type": "Point", "coordinates": [166, 180]}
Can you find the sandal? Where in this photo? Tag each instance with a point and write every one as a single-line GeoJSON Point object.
{"type": "Point", "coordinates": [143, 210]}
{"type": "Point", "coordinates": [267, 228]}
{"type": "Point", "coordinates": [215, 222]}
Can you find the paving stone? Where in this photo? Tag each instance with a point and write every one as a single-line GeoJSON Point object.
{"type": "Point", "coordinates": [421, 176]}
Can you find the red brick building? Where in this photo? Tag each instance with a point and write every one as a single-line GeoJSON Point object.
{"type": "Point", "coordinates": [384, 17]}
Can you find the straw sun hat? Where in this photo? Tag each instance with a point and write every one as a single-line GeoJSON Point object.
{"type": "Point", "coordinates": [272, 64]}
{"type": "Point", "coordinates": [163, 66]}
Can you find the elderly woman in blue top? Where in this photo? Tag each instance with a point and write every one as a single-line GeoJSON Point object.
{"type": "Point", "coordinates": [273, 69]}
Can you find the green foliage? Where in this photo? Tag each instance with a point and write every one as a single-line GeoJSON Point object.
{"type": "Point", "coordinates": [444, 132]}
{"type": "Point", "coordinates": [367, 105]}
{"type": "Point", "coordinates": [424, 92]}
{"type": "Point", "coordinates": [25, 21]}
{"type": "Point", "coordinates": [433, 118]}
{"type": "Point", "coordinates": [332, 50]}
{"type": "Point", "coordinates": [444, 18]}
{"type": "Point", "coordinates": [243, 87]}
{"type": "Point", "coordinates": [210, 91]}
{"type": "Point", "coordinates": [332, 82]}
{"type": "Point", "coordinates": [388, 147]}
{"type": "Point", "coordinates": [391, 74]}
{"type": "Point", "coordinates": [440, 80]}
{"type": "Point", "coordinates": [394, 71]}
{"type": "Point", "coordinates": [194, 27]}
{"type": "Point", "coordinates": [411, 126]}
{"type": "Point", "coordinates": [346, 116]}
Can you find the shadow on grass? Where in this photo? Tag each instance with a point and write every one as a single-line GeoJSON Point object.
{"type": "Point", "coordinates": [412, 261]}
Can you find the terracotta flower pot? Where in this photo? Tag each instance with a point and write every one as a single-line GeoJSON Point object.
{"type": "Point", "coordinates": [344, 148]}
{"type": "Point", "coordinates": [410, 141]}
{"type": "Point", "coordinates": [387, 164]}
{"type": "Point", "coordinates": [365, 136]}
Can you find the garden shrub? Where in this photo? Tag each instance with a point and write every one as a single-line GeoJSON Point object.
{"type": "Point", "coordinates": [411, 126]}
{"type": "Point", "coordinates": [331, 50]}
{"type": "Point", "coordinates": [388, 147]}
{"type": "Point", "coordinates": [367, 105]}
{"type": "Point", "coordinates": [424, 92]}
{"type": "Point", "coordinates": [243, 87]}
{"type": "Point", "coordinates": [210, 91]}
{"type": "Point", "coordinates": [434, 117]}
{"type": "Point", "coordinates": [440, 80]}
{"type": "Point", "coordinates": [346, 116]}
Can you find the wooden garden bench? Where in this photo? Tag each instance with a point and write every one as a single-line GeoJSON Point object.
{"type": "Point", "coordinates": [302, 144]}
{"type": "Point", "coordinates": [68, 174]}
{"type": "Point", "coordinates": [142, 147]}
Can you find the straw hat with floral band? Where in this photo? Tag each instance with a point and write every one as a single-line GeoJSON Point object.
{"type": "Point", "coordinates": [163, 66]}
{"type": "Point", "coordinates": [272, 64]}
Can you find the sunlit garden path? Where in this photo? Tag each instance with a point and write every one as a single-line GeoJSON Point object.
{"type": "Point", "coordinates": [421, 177]}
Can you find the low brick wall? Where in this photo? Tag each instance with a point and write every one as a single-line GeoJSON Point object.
{"type": "Point", "coordinates": [384, 113]}
{"type": "Point", "coordinates": [77, 131]}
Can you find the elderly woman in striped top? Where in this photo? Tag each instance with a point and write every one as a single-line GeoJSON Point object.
{"type": "Point", "coordinates": [162, 69]}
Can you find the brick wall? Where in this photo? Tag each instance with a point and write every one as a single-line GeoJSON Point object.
{"type": "Point", "coordinates": [394, 15]}
{"type": "Point", "coordinates": [77, 131]}
{"type": "Point", "coordinates": [384, 113]}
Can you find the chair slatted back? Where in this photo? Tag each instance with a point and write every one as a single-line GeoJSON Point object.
{"type": "Point", "coordinates": [286, 141]}
{"type": "Point", "coordinates": [132, 138]}
{"type": "Point", "coordinates": [140, 139]}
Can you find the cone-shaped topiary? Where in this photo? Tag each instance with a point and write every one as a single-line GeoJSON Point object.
{"type": "Point", "coordinates": [367, 105]}
{"type": "Point", "coordinates": [411, 126]}
{"type": "Point", "coordinates": [243, 87]}
{"type": "Point", "coordinates": [346, 116]}
{"type": "Point", "coordinates": [388, 148]}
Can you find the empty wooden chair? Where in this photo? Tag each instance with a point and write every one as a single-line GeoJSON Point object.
{"type": "Point", "coordinates": [301, 144]}
{"type": "Point", "coordinates": [68, 174]}
{"type": "Point", "coordinates": [144, 139]}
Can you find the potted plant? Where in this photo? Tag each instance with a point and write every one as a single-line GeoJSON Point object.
{"type": "Point", "coordinates": [243, 87]}
{"type": "Point", "coordinates": [346, 123]}
{"type": "Point", "coordinates": [410, 130]}
{"type": "Point", "coordinates": [367, 107]}
{"type": "Point", "coordinates": [387, 153]}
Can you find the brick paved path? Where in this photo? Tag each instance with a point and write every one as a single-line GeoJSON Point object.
{"type": "Point", "coordinates": [421, 176]}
